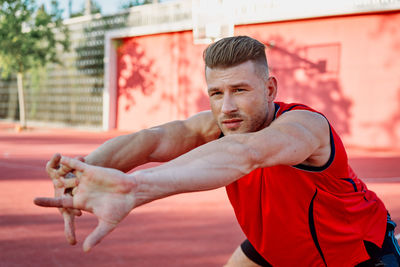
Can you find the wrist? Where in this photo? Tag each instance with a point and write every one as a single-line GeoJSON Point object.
{"type": "Point", "coordinates": [136, 180]}
{"type": "Point", "coordinates": [148, 186]}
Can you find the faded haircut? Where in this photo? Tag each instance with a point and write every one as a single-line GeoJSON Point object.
{"type": "Point", "coordinates": [232, 51]}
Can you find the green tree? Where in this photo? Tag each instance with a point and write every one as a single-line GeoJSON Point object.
{"type": "Point", "coordinates": [28, 39]}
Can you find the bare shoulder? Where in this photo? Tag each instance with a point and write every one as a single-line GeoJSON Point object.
{"type": "Point", "coordinates": [203, 125]}
{"type": "Point", "coordinates": [313, 127]}
{"type": "Point", "coordinates": [311, 121]}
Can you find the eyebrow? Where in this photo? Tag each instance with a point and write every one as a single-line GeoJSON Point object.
{"type": "Point", "coordinates": [240, 84]}
{"type": "Point", "coordinates": [237, 85]}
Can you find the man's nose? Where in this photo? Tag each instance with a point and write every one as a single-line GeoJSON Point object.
{"type": "Point", "coordinates": [228, 104]}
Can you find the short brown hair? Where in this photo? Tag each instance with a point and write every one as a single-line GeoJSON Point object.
{"type": "Point", "coordinates": [232, 51]}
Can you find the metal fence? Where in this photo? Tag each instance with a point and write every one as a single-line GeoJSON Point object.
{"type": "Point", "coordinates": [71, 93]}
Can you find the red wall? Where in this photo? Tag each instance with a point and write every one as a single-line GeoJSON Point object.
{"type": "Point", "coordinates": [161, 77]}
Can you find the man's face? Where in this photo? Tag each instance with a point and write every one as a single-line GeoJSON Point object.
{"type": "Point", "coordinates": [240, 97]}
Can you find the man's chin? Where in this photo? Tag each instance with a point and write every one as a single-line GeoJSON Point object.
{"type": "Point", "coordinates": [232, 131]}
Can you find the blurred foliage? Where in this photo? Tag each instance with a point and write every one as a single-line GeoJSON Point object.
{"type": "Point", "coordinates": [28, 36]}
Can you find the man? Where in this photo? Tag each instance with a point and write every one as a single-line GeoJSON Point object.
{"type": "Point", "coordinates": [284, 167]}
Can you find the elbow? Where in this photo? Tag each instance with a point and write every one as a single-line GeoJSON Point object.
{"type": "Point", "coordinates": [247, 157]}
{"type": "Point", "coordinates": [255, 159]}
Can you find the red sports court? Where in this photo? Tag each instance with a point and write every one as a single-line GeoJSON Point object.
{"type": "Point", "coordinates": [197, 229]}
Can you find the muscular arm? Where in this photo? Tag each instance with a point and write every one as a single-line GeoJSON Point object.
{"type": "Point", "coordinates": [157, 144]}
{"type": "Point", "coordinates": [126, 152]}
{"type": "Point", "coordinates": [296, 137]}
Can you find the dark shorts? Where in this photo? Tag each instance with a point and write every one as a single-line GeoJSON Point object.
{"type": "Point", "coordinates": [388, 255]}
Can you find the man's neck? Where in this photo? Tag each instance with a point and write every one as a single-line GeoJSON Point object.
{"type": "Point", "coordinates": [271, 114]}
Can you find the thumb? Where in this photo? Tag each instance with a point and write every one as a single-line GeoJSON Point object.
{"type": "Point", "coordinates": [102, 229]}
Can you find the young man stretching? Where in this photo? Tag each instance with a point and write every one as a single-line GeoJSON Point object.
{"type": "Point", "coordinates": [284, 167]}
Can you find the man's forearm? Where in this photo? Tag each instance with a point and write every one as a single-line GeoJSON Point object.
{"type": "Point", "coordinates": [125, 152]}
{"type": "Point", "coordinates": [157, 144]}
{"type": "Point", "coordinates": [207, 167]}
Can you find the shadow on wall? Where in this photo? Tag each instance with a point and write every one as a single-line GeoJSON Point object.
{"type": "Point", "coordinates": [388, 25]}
{"type": "Point", "coordinates": [189, 97]}
{"type": "Point", "coordinates": [135, 73]}
{"type": "Point", "coordinates": [183, 94]}
{"type": "Point", "coordinates": [309, 75]}
{"type": "Point", "coordinates": [392, 124]}
{"type": "Point", "coordinates": [388, 28]}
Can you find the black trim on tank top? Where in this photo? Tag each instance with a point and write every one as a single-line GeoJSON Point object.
{"type": "Point", "coordinates": [332, 143]}
{"type": "Point", "coordinates": [277, 108]}
{"type": "Point", "coordinates": [327, 164]}
{"type": "Point", "coordinates": [352, 183]}
{"type": "Point", "coordinates": [311, 224]}
{"type": "Point", "coordinates": [292, 107]}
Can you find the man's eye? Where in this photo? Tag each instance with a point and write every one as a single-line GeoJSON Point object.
{"type": "Point", "coordinates": [240, 90]}
{"type": "Point", "coordinates": [215, 93]}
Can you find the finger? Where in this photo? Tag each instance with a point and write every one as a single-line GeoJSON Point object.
{"type": "Point", "coordinates": [57, 182]}
{"type": "Point", "coordinates": [76, 212]}
{"type": "Point", "coordinates": [74, 190]}
{"type": "Point", "coordinates": [69, 227]}
{"type": "Point", "coordinates": [67, 171]}
{"type": "Point", "coordinates": [102, 229]}
{"type": "Point", "coordinates": [57, 202]}
{"type": "Point", "coordinates": [70, 182]}
{"type": "Point", "coordinates": [73, 164]}
{"type": "Point", "coordinates": [64, 170]}
{"type": "Point", "coordinates": [52, 166]}
{"type": "Point", "coordinates": [53, 163]}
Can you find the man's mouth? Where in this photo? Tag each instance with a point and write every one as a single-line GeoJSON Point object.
{"type": "Point", "coordinates": [232, 123]}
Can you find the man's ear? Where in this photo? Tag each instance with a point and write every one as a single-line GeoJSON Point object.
{"type": "Point", "coordinates": [272, 88]}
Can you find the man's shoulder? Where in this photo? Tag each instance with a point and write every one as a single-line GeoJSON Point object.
{"type": "Point", "coordinates": [204, 124]}
{"type": "Point", "coordinates": [282, 107]}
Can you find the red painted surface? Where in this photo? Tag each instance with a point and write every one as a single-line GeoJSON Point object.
{"type": "Point", "coordinates": [161, 77]}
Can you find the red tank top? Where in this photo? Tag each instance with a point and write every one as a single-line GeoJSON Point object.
{"type": "Point", "coordinates": [309, 216]}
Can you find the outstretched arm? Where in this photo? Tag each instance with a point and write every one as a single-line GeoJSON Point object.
{"type": "Point", "coordinates": [157, 144]}
{"type": "Point", "coordinates": [302, 137]}
{"type": "Point", "coordinates": [296, 137]}
{"type": "Point", "coordinates": [126, 152]}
